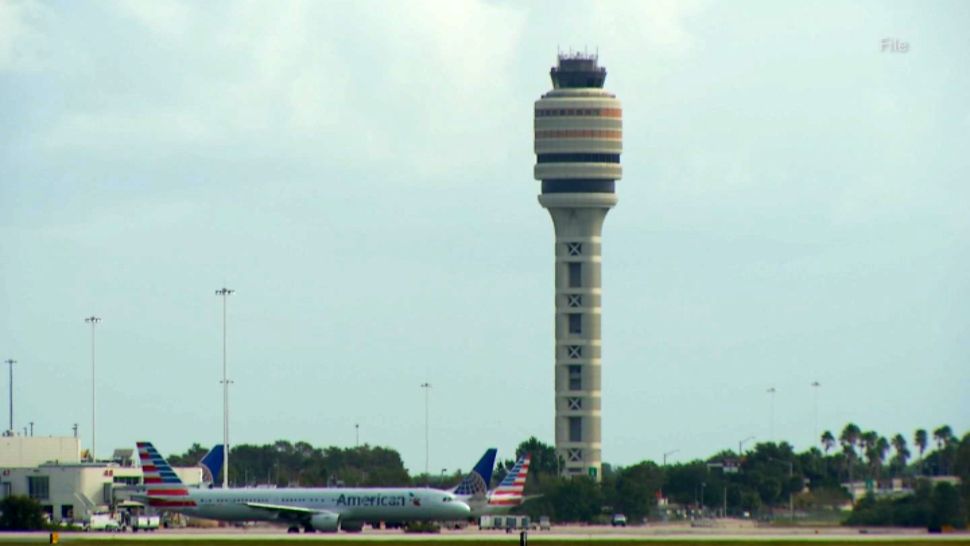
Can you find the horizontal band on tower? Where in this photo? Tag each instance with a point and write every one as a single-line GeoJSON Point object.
{"type": "Point", "coordinates": [578, 157]}
{"type": "Point", "coordinates": [579, 133]}
{"type": "Point", "coordinates": [578, 185]}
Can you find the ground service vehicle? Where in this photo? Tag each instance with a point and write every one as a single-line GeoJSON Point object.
{"type": "Point", "coordinates": [102, 522]}
{"type": "Point", "coordinates": [145, 523]}
{"type": "Point", "coordinates": [507, 523]}
{"type": "Point", "coordinates": [619, 520]}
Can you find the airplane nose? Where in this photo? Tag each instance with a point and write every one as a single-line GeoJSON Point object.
{"type": "Point", "coordinates": [462, 509]}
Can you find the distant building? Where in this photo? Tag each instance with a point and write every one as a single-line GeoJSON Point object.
{"type": "Point", "coordinates": [892, 487]}
{"type": "Point", "coordinates": [29, 451]}
{"type": "Point", "coordinates": [50, 471]}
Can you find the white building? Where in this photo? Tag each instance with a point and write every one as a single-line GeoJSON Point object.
{"type": "Point", "coordinates": [66, 488]}
{"type": "Point", "coordinates": [28, 451]}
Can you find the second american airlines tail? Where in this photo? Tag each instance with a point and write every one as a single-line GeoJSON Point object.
{"type": "Point", "coordinates": [509, 493]}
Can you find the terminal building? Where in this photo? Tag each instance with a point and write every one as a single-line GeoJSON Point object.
{"type": "Point", "coordinates": [69, 489]}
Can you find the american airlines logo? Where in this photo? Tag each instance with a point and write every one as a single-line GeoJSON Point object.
{"type": "Point", "coordinates": [371, 500]}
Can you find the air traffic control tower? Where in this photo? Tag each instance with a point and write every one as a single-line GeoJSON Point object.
{"type": "Point", "coordinates": [578, 140]}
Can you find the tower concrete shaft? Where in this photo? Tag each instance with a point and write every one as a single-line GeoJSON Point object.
{"type": "Point", "coordinates": [578, 141]}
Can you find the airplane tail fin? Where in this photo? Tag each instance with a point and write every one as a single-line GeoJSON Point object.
{"type": "Point", "coordinates": [163, 487]}
{"type": "Point", "coordinates": [475, 483]}
{"type": "Point", "coordinates": [510, 491]}
{"type": "Point", "coordinates": [212, 464]}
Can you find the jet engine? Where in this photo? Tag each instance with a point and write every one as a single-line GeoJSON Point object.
{"type": "Point", "coordinates": [325, 522]}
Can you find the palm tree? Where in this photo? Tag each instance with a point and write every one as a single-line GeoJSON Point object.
{"type": "Point", "coordinates": [902, 453]}
{"type": "Point", "coordinates": [868, 441]}
{"type": "Point", "coordinates": [943, 437]}
{"type": "Point", "coordinates": [921, 440]}
{"type": "Point", "coordinates": [848, 438]}
{"type": "Point", "coordinates": [828, 441]}
{"type": "Point", "coordinates": [881, 448]}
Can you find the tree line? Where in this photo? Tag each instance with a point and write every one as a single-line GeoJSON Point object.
{"type": "Point", "coordinates": [771, 479]}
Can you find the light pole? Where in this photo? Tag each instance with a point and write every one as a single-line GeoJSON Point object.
{"type": "Point", "coordinates": [225, 293]}
{"type": "Point", "coordinates": [815, 386]}
{"type": "Point", "coordinates": [671, 452]}
{"type": "Point", "coordinates": [703, 485]}
{"type": "Point", "coordinates": [11, 362]}
{"type": "Point", "coordinates": [741, 445]}
{"type": "Point", "coordinates": [356, 434]}
{"type": "Point", "coordinates": [93, 321]}
{"type": "Point", "coordinates": [771, 423]}
{"type": "Point", "coordinates": [427, 390]}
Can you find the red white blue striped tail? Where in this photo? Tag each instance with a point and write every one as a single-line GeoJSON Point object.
{"type": "Point", "coordinates": [510, 491]}
{"type": "Point", "coordinates": [162, 484]}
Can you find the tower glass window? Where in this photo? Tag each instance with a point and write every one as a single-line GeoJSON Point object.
{"type": "Point", "coordinates": [575, 323]}
{"type": "Point", "coordinates": [575, 377]}
{"type": "Point", "coordinates": [575, 429]}
{"type": "Point", "coordinates": [575, 275]}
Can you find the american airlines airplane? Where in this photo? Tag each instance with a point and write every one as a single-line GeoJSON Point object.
{"type": "Point", "coordinates": [473, 489]}
{"type": "Point", "coordinates": [313, 509]}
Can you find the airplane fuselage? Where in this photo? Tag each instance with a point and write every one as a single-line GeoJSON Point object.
{"type": "Point", "coordinates": [351, 504]}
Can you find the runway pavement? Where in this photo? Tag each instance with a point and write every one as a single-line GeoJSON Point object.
{"type": "Point", "coordinates": [567, 533]}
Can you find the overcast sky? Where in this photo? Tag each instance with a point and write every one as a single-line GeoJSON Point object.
{"type": "Point", "coordinates": [795, 207]}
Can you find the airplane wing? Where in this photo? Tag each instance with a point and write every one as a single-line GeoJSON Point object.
{"type": "Point", "coordinates": [321, 520]}
{"type": "Point", "coordinates": [284, 510]}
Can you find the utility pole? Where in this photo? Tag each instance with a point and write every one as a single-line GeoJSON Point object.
{"type": "Point", "coordinates": [741, 446]}
{"type": "Point", "coordinates": [93, 321]}
{"type": "Point", "coordinates": [815, 385]}
{"type": "Point", "coordinates": [671, 452]}
{"type": "Point", "coordinates": [11, 362]}
{"type": "Point", "coordinates": [356, 434]}
{"type": "Point", "coordinates": [75, 430]}
{"type": "Point", "coordinates": [225, 293]}
{"type": "Point", "coordinates": [427, 390]}
{"type": "Point", "coordinates": [31, 429]}
{"type": "Point", "coordinates": [791, 499]}
{"type": "Point", "coordinates": [771, 427]}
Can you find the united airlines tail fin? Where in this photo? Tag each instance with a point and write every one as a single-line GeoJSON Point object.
{"type": "Point", "coordinates": [510, 491]}
{"type": "Point", "coordinates": [476, 482]}
{"type": "Point", "coordinates": [162, 485]}
{"type": "Point", "coordinates": [211, 464]}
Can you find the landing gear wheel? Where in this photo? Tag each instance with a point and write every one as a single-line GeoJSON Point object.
{"type": "Point", "coordinates": [293, 529]}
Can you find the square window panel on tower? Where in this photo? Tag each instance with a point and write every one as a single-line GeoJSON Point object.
{"type": "Point", "coordinates": [574, 249]}
{"type": "Point", "coordinates": [574, 403]}
{"type": "Point", "coordinates": [574, 351]}
{"type": "Point", "coordinates": [575, 300]}
{"type": "Point", "coordinates": [574, 455]}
